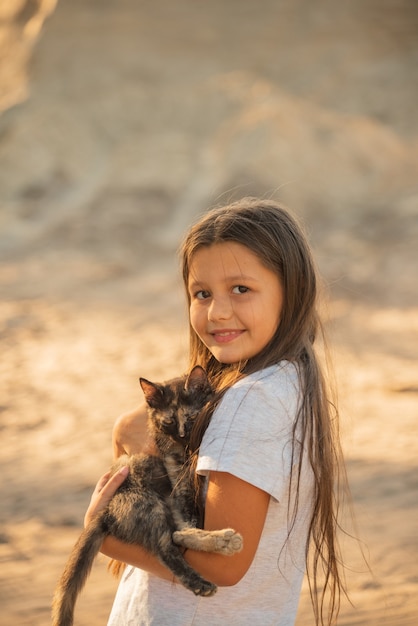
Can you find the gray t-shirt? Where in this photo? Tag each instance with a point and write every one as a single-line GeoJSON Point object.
{"type": "Point", "coordinates": [249, 436]}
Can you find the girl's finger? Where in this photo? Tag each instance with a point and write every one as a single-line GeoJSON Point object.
{"type": "Point", "coordinates": [102, 482]}
{"type": "Point", "coordinates": [111, 484]}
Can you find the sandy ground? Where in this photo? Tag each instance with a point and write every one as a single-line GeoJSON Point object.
{"type": "Point", "coordinates": [130, 120]}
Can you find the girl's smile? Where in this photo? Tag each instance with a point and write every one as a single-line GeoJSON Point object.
{"type": "Point", "coordinates": [224, 336]}
{"type": "Point", "coordinates": [235, 301]}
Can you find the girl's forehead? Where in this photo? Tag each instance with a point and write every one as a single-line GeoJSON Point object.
{"type": "Point", "coordinates": [225, 260]}
{"type": "Point", "coordinates": [228, 254]}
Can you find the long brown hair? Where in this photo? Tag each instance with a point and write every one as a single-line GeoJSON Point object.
{"type": "Point", "coordinates": [275, 236]}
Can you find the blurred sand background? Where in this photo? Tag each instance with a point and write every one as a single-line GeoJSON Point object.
{"type": "Point", "coordinates": [120, 123]}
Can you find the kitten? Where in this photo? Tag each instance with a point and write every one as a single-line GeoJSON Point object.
{"type": "Point", "coordinates": [155, 505]}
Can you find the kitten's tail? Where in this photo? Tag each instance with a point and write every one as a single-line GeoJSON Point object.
{"type": "Point", "coordinates": [75, 573]}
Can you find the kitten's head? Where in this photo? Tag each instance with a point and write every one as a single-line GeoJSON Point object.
{"type": "Point", "coordinates": [174, 405]}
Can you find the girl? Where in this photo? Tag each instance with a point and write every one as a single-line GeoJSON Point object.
{"type": "Point", "coordinates": [267, 446]}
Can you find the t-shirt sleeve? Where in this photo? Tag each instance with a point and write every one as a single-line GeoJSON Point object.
{"type": "Point", "coordinates": [250, 433]}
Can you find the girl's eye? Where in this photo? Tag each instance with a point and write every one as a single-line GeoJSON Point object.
{"type": "Point", "coordinates": [240, 289]}
{"type": "Point", "coordinates": [202, 295]}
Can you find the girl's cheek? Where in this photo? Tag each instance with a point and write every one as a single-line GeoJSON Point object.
{"type": "Point", "coordinates": [193, 320]}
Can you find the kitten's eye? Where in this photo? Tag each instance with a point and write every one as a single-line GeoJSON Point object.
{"type": "Point", "coordinates": [190, 417]}
{"type": "Point", "coordinates": [240, 289]}
{"type": "Point", "coordinates": [168, 420]}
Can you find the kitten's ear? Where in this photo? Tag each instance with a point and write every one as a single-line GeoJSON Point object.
{"type": "Point", "coordinates": [152, 392]}
{"type": "Point", "coordinates": [196, 378]}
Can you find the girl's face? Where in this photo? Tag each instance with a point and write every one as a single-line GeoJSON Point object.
{"type": "Point", "coordinates": [236, 302]}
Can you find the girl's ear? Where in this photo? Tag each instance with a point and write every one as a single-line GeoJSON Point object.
{"type": "Point", "coordinates": [152, 392]}
{"type": "Point", "coordinates": [196, 379]}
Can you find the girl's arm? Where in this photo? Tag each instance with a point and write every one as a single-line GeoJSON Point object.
{"type": "Point", "coordinates": [230, 503]}
{"type": "Point", "coordinates": [130, 433]}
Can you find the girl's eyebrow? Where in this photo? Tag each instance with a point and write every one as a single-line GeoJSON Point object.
{"type": "Point", "coordinates": [193, 284]}
{"type": "Point", "coordinates": [238, 278]}
{"type": "Point", "coordinates": [241, 278]}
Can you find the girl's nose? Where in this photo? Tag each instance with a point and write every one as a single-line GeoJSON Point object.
{"type": "Point", "coordinates": [220, 309]}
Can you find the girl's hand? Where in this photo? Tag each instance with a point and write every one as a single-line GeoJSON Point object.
{"type": "Point", "coordinates": [103, 493]}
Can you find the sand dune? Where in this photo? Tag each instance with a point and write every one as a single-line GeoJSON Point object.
{"type": "Point", "coordinates": [129, 120]}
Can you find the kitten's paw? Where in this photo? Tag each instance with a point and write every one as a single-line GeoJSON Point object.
{"type": "Point", "coordinates": [229, 542]}
{"type": "Point", "coordinates": [206, 589]}
{"type": "Point", "coordinates": [226, 541]}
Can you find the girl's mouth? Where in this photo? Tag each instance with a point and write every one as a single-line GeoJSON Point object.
{"type": "Point", "coordinates": [225, 336]}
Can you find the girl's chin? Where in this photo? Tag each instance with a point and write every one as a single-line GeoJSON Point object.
{"type": "Point", "coordinates": [229, 359]}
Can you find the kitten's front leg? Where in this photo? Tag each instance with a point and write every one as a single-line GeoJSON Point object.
{"type": "Point", "coordinates": [226, 541]}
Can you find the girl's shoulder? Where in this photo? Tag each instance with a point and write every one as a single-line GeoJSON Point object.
{"type": "Point", "coordinates": [251, 428]}
{"type": "Point", "coordinates": [282, 375]}
{"type": "Point", "coordinates": [265, 390]}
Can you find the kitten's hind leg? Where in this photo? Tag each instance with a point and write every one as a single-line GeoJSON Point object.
{"type": "Point", "coordinates": [225, 541]}
{"type": "Point", "coordinates": [170, 555]}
